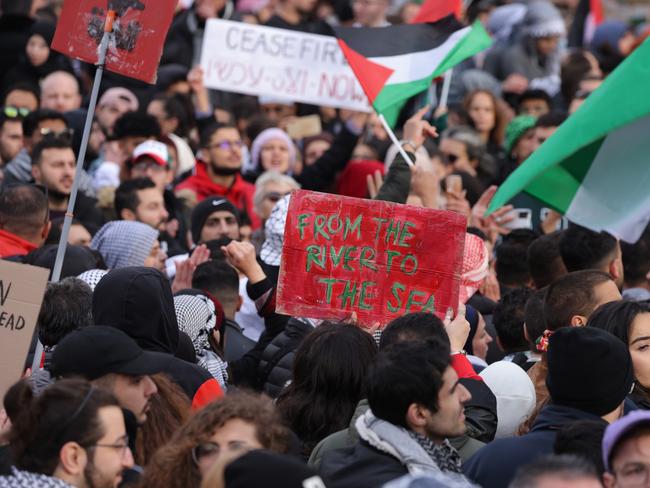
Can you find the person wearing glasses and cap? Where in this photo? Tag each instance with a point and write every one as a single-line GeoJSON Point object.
{"type": "Point", "coordinates": [72, 435]}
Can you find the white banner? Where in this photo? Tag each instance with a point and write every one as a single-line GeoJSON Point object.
{"type": "Point", "coordinates": [257, 60]}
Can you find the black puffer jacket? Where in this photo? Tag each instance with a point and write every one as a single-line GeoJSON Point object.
{"type": "Point", "coordinates": [277, 359]}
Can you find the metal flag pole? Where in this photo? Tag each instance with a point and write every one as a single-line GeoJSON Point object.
{"type": "Point", "coordinates": [394, 140]}
{"type": "Point", "coordinates": [446, 83]}
{"type": "Point", "coordinates": [67, 222]}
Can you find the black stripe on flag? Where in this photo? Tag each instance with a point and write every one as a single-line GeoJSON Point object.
{"type": "Point", "coordinates": [398, 39]}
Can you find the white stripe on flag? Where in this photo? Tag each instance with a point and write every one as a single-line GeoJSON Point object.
{"type": "Point", "coordinates": [418, 65]}
{"type": "Point", "coordinates": [614, 194]}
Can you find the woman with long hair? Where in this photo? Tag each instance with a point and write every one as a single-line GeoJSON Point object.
{"type": "Point", "coordinates": [630, 322]}
{"type": "Point", "coordinates": [328, 380]}
{"type": "Point", "coordinates": [486, 114]}
{"type": "Point", "coordinates": [238, 421]}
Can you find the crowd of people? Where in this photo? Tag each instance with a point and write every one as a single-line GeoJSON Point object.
{"type": "Point", "coordinates": [165, 362]}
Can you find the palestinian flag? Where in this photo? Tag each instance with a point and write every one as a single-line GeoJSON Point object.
{"type": "Point", "coordinates": [394, 63]}
{"type": "Point", "coordinates": [595, 169]}
{"type": "Point", "coordinates": [589, 15]}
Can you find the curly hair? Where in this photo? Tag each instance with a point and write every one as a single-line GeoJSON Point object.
{"type": "Point", "coordinates": [168, 411]}
{"type": "Point", "coordinates": [172, 465]}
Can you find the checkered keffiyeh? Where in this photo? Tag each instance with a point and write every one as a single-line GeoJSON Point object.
{"type": "Point", "coordinates": [475, 266]}
{"type": "Point", "coordinates": [92, 277]}
{"type": "Point", "coordinates": [196, 316]}
{"type": "Point", "coordinates": [124, 243]}
{"type": "Point", "coordinates": [271, 252]}
{"type": "Point", "coordinates": [26, 479]}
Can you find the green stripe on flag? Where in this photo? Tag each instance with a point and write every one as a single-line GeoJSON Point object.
{"type": "Point", "coordinates": [392, 97]}
{"type": "Point", "coordinates": [474, 42]}
{"type": "Point", "coordinates": [555, 171]}
{"type": "Point", "coordinates": [558, 185]}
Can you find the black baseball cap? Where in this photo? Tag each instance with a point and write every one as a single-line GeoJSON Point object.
{"type": "Point", "coordinates": [97, 350]}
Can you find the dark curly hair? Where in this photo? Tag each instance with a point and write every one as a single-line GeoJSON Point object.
{"type": "Point", "coordinates": [173, 467]}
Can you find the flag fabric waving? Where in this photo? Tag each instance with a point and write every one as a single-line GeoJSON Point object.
{"type": "Point", "coordinates": [595, 168]}
{"type": "Point", "coordinates": [434, 10]}
{"type": "Point", "coordinates": [394, 63]}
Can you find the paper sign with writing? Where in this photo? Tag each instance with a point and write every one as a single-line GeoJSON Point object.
{"type": "Point", "coordinates": [137, 40]}
{"type": "Point", "coordinates": [259, 60]}
{"type": "Point", "coordinates": [21, 294]}
{"type": "Point", "coordinates": [378, 259]}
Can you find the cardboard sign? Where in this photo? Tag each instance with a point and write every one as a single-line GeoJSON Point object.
{"type": "Point", "coordinates": [258, 60]}
{"type": "Point", "coordinates": [306, 126]}
{"type": "Point", "coordinates": [21, 294]}
{"type": "Point", "coordinates": [378, 259]}
{"type": "Point", "coordinates": [137, 39]}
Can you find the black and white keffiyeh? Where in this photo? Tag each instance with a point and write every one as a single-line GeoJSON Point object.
{"type": "Point", "coordinates": [124, 243]}
{"type": "Point", "coordinates": [196, 316]}
{"type": "Point", "coordinates": [271, 252]}
{"type": "Point", "coordinates": [444, 455]}
{"type": "Point", "coordinates": [26, 479]}
{"type": "Point", "coordinates": [92, 277]}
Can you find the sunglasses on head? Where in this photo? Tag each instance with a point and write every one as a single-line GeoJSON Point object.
{"type": "Point", "coordinates": [15, 112]}
{"type": "Point", "coordinates": [64, 135]}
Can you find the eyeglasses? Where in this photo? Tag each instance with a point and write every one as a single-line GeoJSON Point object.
{"type": "Point", "coordinates": [225, 145]}
{"type": "Point", "coordinates": [121, 446]}
{"type": "Point", "coordinates": [65, 135]}
{"type": "Point", "coordinates": [15, 112]}
{"type": "Point", "coordinates": [210, 450]}
{"type": "Point", "coordinates": [205, 450]}
{"type": "Point", "coordinates": [275, 196]}
{"type": "Point", "coordinates": [144, 166]}
{"type": "Point", "coordinates": [632, 475]}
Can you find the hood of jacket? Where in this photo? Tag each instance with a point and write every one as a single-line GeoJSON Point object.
{"type": "Point", "coordinates": [138, 301]}
{"type": "Point", "coordinates": [515, 394]}
{"type": "Point", "coordinates": [554, 417]}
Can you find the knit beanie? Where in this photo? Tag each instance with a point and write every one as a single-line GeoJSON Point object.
{"type": "Point", "coordinates": [206, 208]}
{"type": "Point", "coordinates": [517, 128]}
{"type": "Point", "coordinates": [542, 19]}
{"type": "Point", "coordinates": [588, 369]}
{"type": "Point", "coordinates": [266, 136]}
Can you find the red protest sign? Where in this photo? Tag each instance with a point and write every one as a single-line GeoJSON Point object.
{"type": "Point", "coordinates": [378, 259]}
{"type": "Point", "coordinates": [137, 39]}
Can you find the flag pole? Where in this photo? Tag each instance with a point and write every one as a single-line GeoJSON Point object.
{"type": "Point", "coordinates": [446, 84]}
{"type": "Point", "coordinates": [394, 140]}
{"type": "Point", "coordinates": [67, 222]}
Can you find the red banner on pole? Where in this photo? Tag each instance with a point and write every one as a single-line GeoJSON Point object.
{"type": "Point", "coordinates": [137, 38]}
{"type": "Point", "coordinates": [378, 259]}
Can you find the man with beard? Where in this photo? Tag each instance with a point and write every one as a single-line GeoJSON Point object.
{"type": "Point", "coordinates": [72, 435]}
{"type": "Point", "coordinates": [53, 167]}
{"type": "Point", "coordinates": [219, 172]}
{"type": "Point", "coordinates": [416, 403]}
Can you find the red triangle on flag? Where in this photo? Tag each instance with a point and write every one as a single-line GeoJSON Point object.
{"type": "Point", "coordinates": [371, 76]}
{"type": "Point", "coordinates": [434, 10]}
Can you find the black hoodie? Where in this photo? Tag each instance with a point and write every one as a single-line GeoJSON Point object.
{"type": "Point", "coordinates": [139, 301]}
